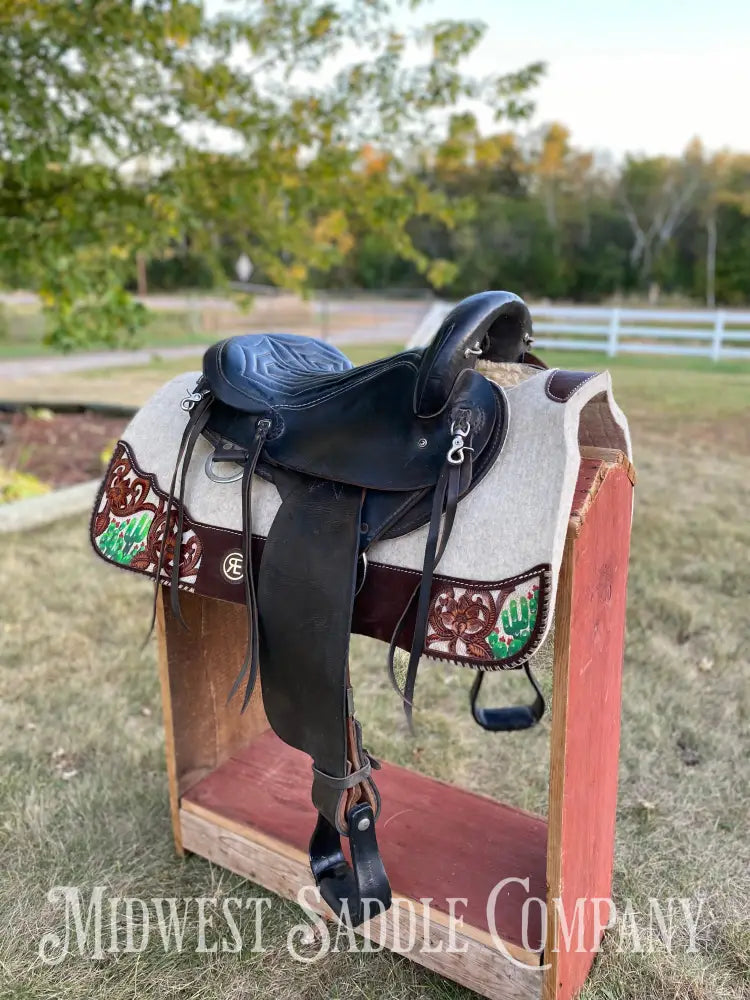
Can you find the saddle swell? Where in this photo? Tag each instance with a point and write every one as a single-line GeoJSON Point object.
{"type": "Point", "coordinates": [494, 326]}
{"type": "Point", "coordinates": [356, 454]}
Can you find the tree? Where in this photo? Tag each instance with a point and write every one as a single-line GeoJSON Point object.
{"type": "Point", "coordinates": [725, 186]}
{"type": "Point", "coordinates": [551, 165]}
{"type": "Point", "coordinates": [657, 195]}
{"type": "Point", "coordinates": [127, 126]}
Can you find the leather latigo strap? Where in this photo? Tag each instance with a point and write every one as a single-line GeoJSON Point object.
{"type": "Point", "coordinates": [200, 407]}
{"type": "Point", "coordinates": [443, 514]}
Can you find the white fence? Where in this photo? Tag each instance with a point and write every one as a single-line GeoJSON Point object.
{"type": "Point", "coordinates": [719, 335]}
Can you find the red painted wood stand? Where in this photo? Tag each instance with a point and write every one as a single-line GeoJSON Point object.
{"type": "Point", "coordinates": [240, 797]}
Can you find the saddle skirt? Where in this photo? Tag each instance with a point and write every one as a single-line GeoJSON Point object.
{"type": "Point", "coordinates": [493, 593]}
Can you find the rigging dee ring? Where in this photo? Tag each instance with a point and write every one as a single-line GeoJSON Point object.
{"type": "Point", "coordinates": [361, 582]}
{"type": "Point", "coordinates": [209, 470]}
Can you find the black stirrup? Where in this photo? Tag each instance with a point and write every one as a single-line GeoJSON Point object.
{"type": "Point", "coordinates": [511, 717]}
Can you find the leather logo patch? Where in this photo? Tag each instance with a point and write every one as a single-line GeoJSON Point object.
{"type": "Point", "coordinates": [232, 567]}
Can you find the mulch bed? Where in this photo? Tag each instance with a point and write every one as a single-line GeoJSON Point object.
{"type": "Point", "coordinates": [61, 449]}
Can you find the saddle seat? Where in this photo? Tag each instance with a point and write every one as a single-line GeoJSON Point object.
{"type": "Point", "coordinates": [249, 372]}
{"type": "Point", "coordinates": [256, 370]}
{"type": "Point", "coordinates": [385, 426]}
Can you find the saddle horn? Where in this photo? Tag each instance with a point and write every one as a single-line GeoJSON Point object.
{"type": "Point", "coordinates": [493, 325]}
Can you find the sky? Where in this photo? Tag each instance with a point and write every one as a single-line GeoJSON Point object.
{"type": "Point", "coordinates": [627, 75]}
{"type": "Point", "coordinates": [623, 75]}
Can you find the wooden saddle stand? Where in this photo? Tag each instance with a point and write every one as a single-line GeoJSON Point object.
{"type": "Point", "coordinates": [529, 541]}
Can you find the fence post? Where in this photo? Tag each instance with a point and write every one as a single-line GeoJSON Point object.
{"type": "Point", "coordinates": [614, 330]}
{"type": "Point", "coordinates": [717, 336]}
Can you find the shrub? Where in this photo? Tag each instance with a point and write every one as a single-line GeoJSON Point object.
{"type": "Point", "coordinates": [15, 485]}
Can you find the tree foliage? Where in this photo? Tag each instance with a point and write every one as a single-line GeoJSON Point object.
{"type": "Point", "coordinates": [546, 219]}
{"type": "Point", "coordinates": [337, 149]}
{"type": "Point", "coordinates": [281, 127]}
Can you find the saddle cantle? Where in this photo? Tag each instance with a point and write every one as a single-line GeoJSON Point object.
{"type": "Point", "coordinates": [388, 462]}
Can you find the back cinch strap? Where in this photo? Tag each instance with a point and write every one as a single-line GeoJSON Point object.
{"type": "Point", "coordinates": [249, 666]}
{"type": "Point", "coordinates": [511, 717]}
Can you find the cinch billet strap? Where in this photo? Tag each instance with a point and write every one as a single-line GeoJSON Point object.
{"type": "Point", "coordinates": [446, 497]}
{"type": "Point", "coordinates": [252, 656]}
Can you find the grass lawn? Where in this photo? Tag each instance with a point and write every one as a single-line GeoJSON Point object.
{"type": "Point", "coordinates": [22, 331]}
{"type": "Point", "coordinates": [654, 385]}
{"type": "Point", "coordinates": [133, 385]}
{"type": "Point", "coordinates": [83, 792]}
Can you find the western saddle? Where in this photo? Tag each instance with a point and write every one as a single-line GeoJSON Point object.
{"type": "Point", "coordinates": [357, 455]}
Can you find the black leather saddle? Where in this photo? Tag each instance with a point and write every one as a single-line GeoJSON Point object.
{"type": "Point", "coordinates": [357, 454]}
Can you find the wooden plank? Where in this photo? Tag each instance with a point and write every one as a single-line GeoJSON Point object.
{"type": "Point", "coordinates": [594, 468]}
{"type": "Point", "coordinates": [406, 927]}
{"type": "Point", "coordinates": [279, 879]}
{"type": "Point", "coordinates": [610, 456]}
{"type": "Point", "coordinates": [584, 743]}
{"type": "Point", "coordinates": [436, 840]}
{"type": "Point", "coordinates": [200, 664]}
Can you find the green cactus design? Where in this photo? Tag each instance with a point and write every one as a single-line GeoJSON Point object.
{"type": "Point", "coordinates": [515, 617]}
{"type": "Point", "coordinates": [498, 647]}
{"type": "Point", "coordinates": [121, 541]}
{"type": "Point", "coordinates": [518, 619]}
{"type": "Point", "coordinates": [533, 606]}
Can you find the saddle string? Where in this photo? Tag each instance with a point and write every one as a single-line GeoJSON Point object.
{"type": "Point", "coordinates": [451, 488]}
{"type": "Point", "coordinates": [198, 421]}
{"type": "Point", "coordinates": [252, 650]}
{"type": "Point", "coordinates": [199, 413]}
{"type": "Point", "coordinates": [446, 495]}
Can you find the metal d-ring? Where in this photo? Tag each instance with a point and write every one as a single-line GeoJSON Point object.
{"type": "Point", "coordinates": [363, 557]}
{"type": "Point", "coordinates": [209, 467]}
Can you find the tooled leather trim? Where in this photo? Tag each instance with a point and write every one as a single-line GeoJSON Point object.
{"type": "Point", "coordinates": [561, 385]}
{"type": "Point", "coordinates": [542, 572]}
{"type": "Point", "coordinates": [380, 586]}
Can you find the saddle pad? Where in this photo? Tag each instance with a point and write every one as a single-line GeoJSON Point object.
{"type": "Point", "coordinates": [495, 587]}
